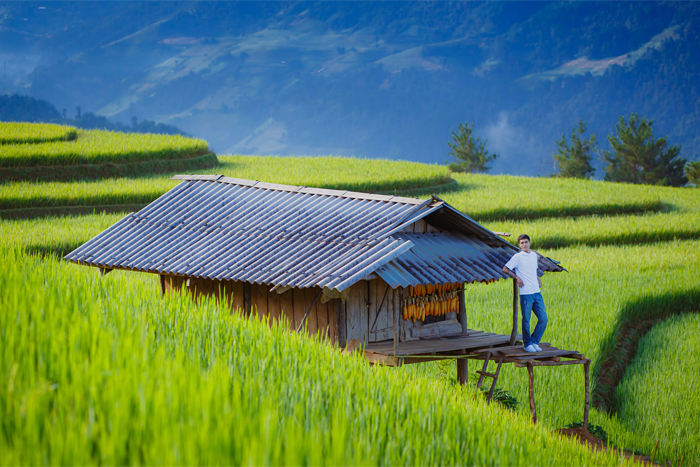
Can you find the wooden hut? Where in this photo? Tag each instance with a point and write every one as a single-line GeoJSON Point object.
{"type": "Point", "coordinates": [384, 272]}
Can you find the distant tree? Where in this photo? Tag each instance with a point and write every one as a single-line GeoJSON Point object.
{"type": "Point", "coordinates": [638, 158]}
{"type": "Point", "coordinates": [471, 154]}
{"type": "Point", "coordinates": [78, 114]}
{"type": "Point", "coordinates": [574, 160]}
{"type": "Point", "coordinates": [692, 171]}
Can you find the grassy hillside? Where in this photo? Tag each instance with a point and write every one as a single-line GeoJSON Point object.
{"type": "Point", "coordinates": [102, 370]}
{"type": "Point", "coordinates": [52, 152]}
{"type": "Point", "coordinates": [105, 371]}
{"type": "Point", "coordinates": [327, 172]}
{"type": "Point", "coordinates": [28, 133]}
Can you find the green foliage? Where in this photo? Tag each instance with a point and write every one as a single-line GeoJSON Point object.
{"type": "Point", "coordinates": [99, 147]}
{"type": "Point", "coordinates": [574, 160]}
{"type": "Point", "coordinates": [596, 430]}
{"type": "Point", "coordinates": [502, 397]}
{"type": "Point", "coordinates": [692, 171]}
{"type": "Point", "coordinates": [105, 371]}
{"type": "Point", "coordinates": [29, 133]}
{"type": "Point", "coordinates": [471, 154]}
{"type": "Point", "coordinates": [638, 158]}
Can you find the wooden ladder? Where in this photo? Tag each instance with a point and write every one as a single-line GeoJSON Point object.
{"type": "Point", "coordinates": [483, 373]}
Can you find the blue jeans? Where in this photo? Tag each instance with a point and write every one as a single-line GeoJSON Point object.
{"type": "Point", "coordinates": [529, 303]}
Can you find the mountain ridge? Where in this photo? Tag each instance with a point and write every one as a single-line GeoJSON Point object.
{"type": "Point", "coordinates": [376, 80]}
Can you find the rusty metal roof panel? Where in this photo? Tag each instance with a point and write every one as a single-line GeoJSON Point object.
{"type": "Point", "coordinates": [289, 236]}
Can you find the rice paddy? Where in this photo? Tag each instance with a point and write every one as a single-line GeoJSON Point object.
{"type": "Point", "coordinates": [107, 372]}
{"type": "Point", "coordinates": [327, 172]}
{"type": "Point", "coordinates": [667, 362]}
{"type": "Point", "coordinates": [99, 147]}
{"type": "Point", "coordinates": [103, 370]}
{"type": "Point", "coordinates": [28, 133]}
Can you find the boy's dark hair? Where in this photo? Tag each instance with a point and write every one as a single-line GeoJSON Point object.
{"type": "Point", "coordinates": [523, 237]}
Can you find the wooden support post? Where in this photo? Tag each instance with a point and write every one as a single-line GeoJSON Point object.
{"type": "Point", "coordinates": [531, 381]}
{"type": "Point", "coordinates": [396, 332]}
{"type": "Point", "coordinates": [462, 316]}
{"type": "Point", "coordinates": [463, 369]}
{"type": "Point", "coordinates": [586, 402]}
{"type": "Point", "coordinates": [514, 332]}
{"type": "Point", "coordinates": [341, 322]}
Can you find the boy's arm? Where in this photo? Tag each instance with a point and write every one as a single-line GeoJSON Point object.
{"type": "Point", "coordinates": [510, 273]}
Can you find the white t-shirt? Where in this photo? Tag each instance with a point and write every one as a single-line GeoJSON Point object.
{"type": "Point", "coordinates": [524, 265]}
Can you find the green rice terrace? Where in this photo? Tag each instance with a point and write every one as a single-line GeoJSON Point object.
{"type": "Point", "coordinates": [105, 370]}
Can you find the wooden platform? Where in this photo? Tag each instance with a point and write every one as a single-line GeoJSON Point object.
{"type": "Point", "coordinates": [478, 345]}
{"type": "Point", "coordinates": [475, 345]}
{"type": "Point", "coordinates": [473, 340]}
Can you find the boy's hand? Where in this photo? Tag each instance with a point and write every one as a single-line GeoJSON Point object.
{"type": "Point", "coordinates": [520, 282]}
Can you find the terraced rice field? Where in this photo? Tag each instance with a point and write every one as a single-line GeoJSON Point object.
{"type": "Point", "coordinates": [327, 172]}
{"type": "Point", "coordinates": [28, 133]}
{"type": "Point", "coordinates": [107, 372]}
{"type": "Point", "coordinates": [102, 370]}
{"type": "Point", "coordinates": [98, 147]}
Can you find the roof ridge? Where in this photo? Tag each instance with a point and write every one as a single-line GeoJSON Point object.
{"type": "Point", "coordinates": [298, 188]}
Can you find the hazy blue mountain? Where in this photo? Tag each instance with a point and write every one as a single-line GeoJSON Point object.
{"type": "Point", "coordinates": [385, 79]}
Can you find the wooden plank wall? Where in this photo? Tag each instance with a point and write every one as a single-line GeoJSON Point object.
{"type": "Point", "coordinates": [256, 300]}
{"type": "Point", "coordinates": [364, 305]}
{"type": "Point", "coordinates": [420, 226]}
{"type": "Point", "coordinates": [339, 322]}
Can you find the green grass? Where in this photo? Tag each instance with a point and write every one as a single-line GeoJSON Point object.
{"type": "Point", "coordinates": [328, 172]}
{"type": "Point", "coordinates": [631, 252]}
{"type": "Point", "coordinates": [667, 364]}
{"type": "Point", "coordinates": [53, 235]}
{"type": "Point", "coordinates": [104, 371]}
{"type": "Point", "coordinates": [23, 133]}
{"type": "Point", "coordinates": [99, 147]}
{"type": "Point", "coordinates": [502, 197]}
{"type": "Point", "coordinates": [605, 285]}
{"type": "Point", "coordinates": [604, 230]}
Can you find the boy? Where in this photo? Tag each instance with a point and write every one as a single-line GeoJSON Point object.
{"type": "Point", "coordinates": [523, 268]}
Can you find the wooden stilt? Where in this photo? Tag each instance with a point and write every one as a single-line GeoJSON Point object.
{"type": "Point", "coordinates": [514, 332]}
{"type": "Point", "coordinates": [586, 403]}
{"type": "Point", "coordinates": [396, 332]}
{"type": "Point", "coordinates": [462, 315]}
{"type": "Point", "coordinates": [462, 369]}
{"type": "Point", "coordinates": [531, 380]}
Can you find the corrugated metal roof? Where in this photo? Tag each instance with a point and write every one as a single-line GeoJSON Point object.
{"type": "Point", "coordinates": [217, 227]}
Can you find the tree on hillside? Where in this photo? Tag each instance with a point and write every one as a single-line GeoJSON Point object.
{"type": "Point", "coordinates": [471, 154]}
{"type": "Point", "coordinates": [692, 171]}
{"type": "Point", "coordinates": [638, 158]}
{"type": "Point", "coordinates": [574, 160]}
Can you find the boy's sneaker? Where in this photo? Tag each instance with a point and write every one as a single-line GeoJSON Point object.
{"type": "Point", "coordinates": [539, 349]}
{"type": "Point", "coordinates": [530, 348]}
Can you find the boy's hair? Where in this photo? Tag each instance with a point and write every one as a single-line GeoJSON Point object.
{"type": "Point", "coordinates": [523, 237]}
